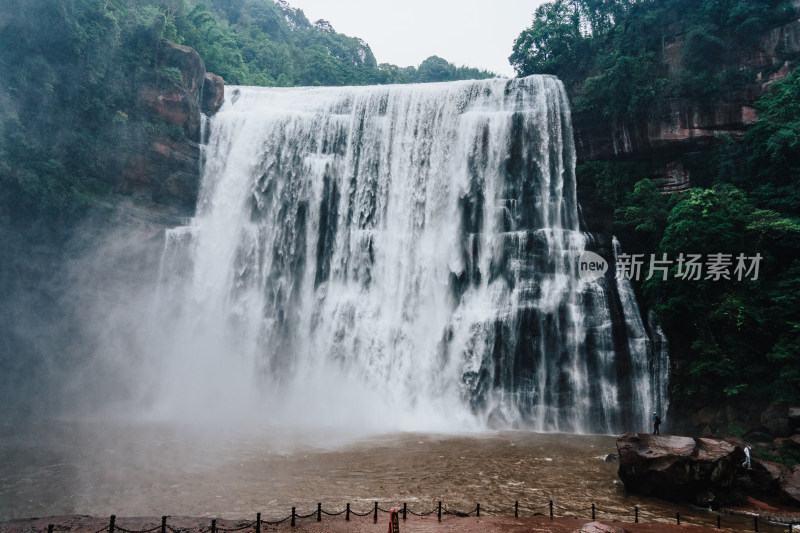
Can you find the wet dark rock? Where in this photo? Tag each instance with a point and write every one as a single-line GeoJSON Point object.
{"type": "Point", "coordinates": [213, 94]}
{"type": "Point", "coordinates": [611, 458]}
{"type": "Point", "coordinates": [790, 486]}
{"type": "Point", "coordinates": [759, 435]}
{"type": "Point", "coordinates": [794, 419]}
{"type": "Point", "coordinates": [766, 476]}
{"type": "Point", "coordinates": [696, 470]}
{"type": "Point", "coordinates": [775, 418]}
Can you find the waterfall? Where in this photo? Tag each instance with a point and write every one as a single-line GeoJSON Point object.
{"type": "Point", "coordinates": [416, 244]}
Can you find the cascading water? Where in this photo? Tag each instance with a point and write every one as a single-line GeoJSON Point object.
{"type": "Point", "coordinates": [418, 242]}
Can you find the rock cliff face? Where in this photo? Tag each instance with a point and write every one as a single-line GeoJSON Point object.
{"type": "Point", "coordinates": [699, 470]}
{"type": "Point", "coordinates": [685, 126]}
{"type": "Point", "coordinates": [163, 168]}
{"type": "Point", "coordinates": [678, 468]}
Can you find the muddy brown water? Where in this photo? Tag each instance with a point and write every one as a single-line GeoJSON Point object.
{"type": "Point", "coordinates": [150, 470]}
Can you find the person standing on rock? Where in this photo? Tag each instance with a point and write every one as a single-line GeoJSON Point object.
{"type": "Point", "coordinates": [656, 423]}
{"type": "Point", "coordinates": [746, 462]}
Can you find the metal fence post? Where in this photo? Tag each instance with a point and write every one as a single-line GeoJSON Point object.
{"type": "Point", "coordinates": [440, 511]}
{"type": "Point", "coordinates": [478, 511]}
{"type": "Point", "coordinates": [111, 522]}
{"type": "Point", "coordinates": [214, 525]}
{"type": "Point", "coordinates": [636, 514]}
{"type": "Point", "coordinates": [319, 512]}
{"type": "Point", "coordinates": [258, 522]}
{"type": "Point", "coordinates": [592, 511]}
{"type": "Point", "coordinates": [678, 518]}
{"type": "Point", "coordinates": [551, 508]}
{"type": "Point", "coordinates": [347, 516]}
{"type": "Point", "coordinates": [163, 524]}
{"type": "Point", "coordinates": [516, 509]}
{"type": "Point", "coordinates": [294, 513]}
{"type": "Point", "coordinates": [404, 510]}
{"type": "Point", "coordinates": [376, 513]}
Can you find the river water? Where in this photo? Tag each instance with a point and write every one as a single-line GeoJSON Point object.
{"type": "Point", "coordinates": [150, 470]}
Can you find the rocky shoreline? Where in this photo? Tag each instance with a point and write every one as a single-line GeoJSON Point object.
{"type": "Point", "coordinates": [702, 471]}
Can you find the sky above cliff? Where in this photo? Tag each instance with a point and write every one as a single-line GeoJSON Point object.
{"type": "Point", "coordinates": [464, 32]}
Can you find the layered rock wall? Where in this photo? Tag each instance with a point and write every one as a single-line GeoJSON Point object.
{"type": "Point", "coordinates": [684, 125]}
{"type": "Point", "coordinates": [163, 169]}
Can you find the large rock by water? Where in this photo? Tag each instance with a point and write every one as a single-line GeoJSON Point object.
{"type": "Point", "coordinates": [767, 476]}
{"type": "Point", "coordinates": [213, 94]}
{"type": "Point", "coordinates": [790, 486]}
{"type": "Point", "coordinates": [697, 470]}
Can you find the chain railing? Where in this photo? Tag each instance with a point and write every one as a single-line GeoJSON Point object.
{"type": "Point", "coordinates": [722, 519]}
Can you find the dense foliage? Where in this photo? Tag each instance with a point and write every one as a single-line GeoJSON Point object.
{"type": "Point", "coordinates": [729, 339]}
{"type": "Point", "coordinates": [72, 70]}
{"type": "Point", "coordinates": [261, 42]}
{"type": "Point", "coordinates": [610, 53]}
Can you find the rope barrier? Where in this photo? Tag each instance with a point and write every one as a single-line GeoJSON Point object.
{"type": "Point", "coordinates": [275, 523]}
{"type": "Point", "coordinates": [732, 519]}
{"type": "Point", "coordinates": [423, 513]}
{"type": "Point", "coordinates": [333, 514]}
{"type": "Point", "coordinates": [445, 510]}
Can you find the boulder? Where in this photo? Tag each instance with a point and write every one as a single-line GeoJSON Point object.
{"type": "Point", "coordinates": [794, 419]}
{"type": "Point", "coordinates": [776, 419]}
{"type": "Point", "coordinates": [176, 99]}
{"type": "Point", "coordinates": [696, 470]}
{"type": "Point", "coordinates": [787, 444]}
{"type": "Point", "coordinates": [760, 435]}
{"type": "Point", "coordinates": [187, 60]}
{"type": "Point", "coordinates": [766, 475]}
{"type": "Point", "coordinates": [213, 94]}
{"type": "Point", "coordinates": [599, 527]}
{"type": "Point", "coordinates": [790, 486]}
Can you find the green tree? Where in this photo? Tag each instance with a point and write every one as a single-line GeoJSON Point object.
{"type": "Point", "coordinates": [435, 69]}
{"type": "Point", "coordinates": [553, 44]}
{"type": "Point", "coordinates": [644, 216]}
